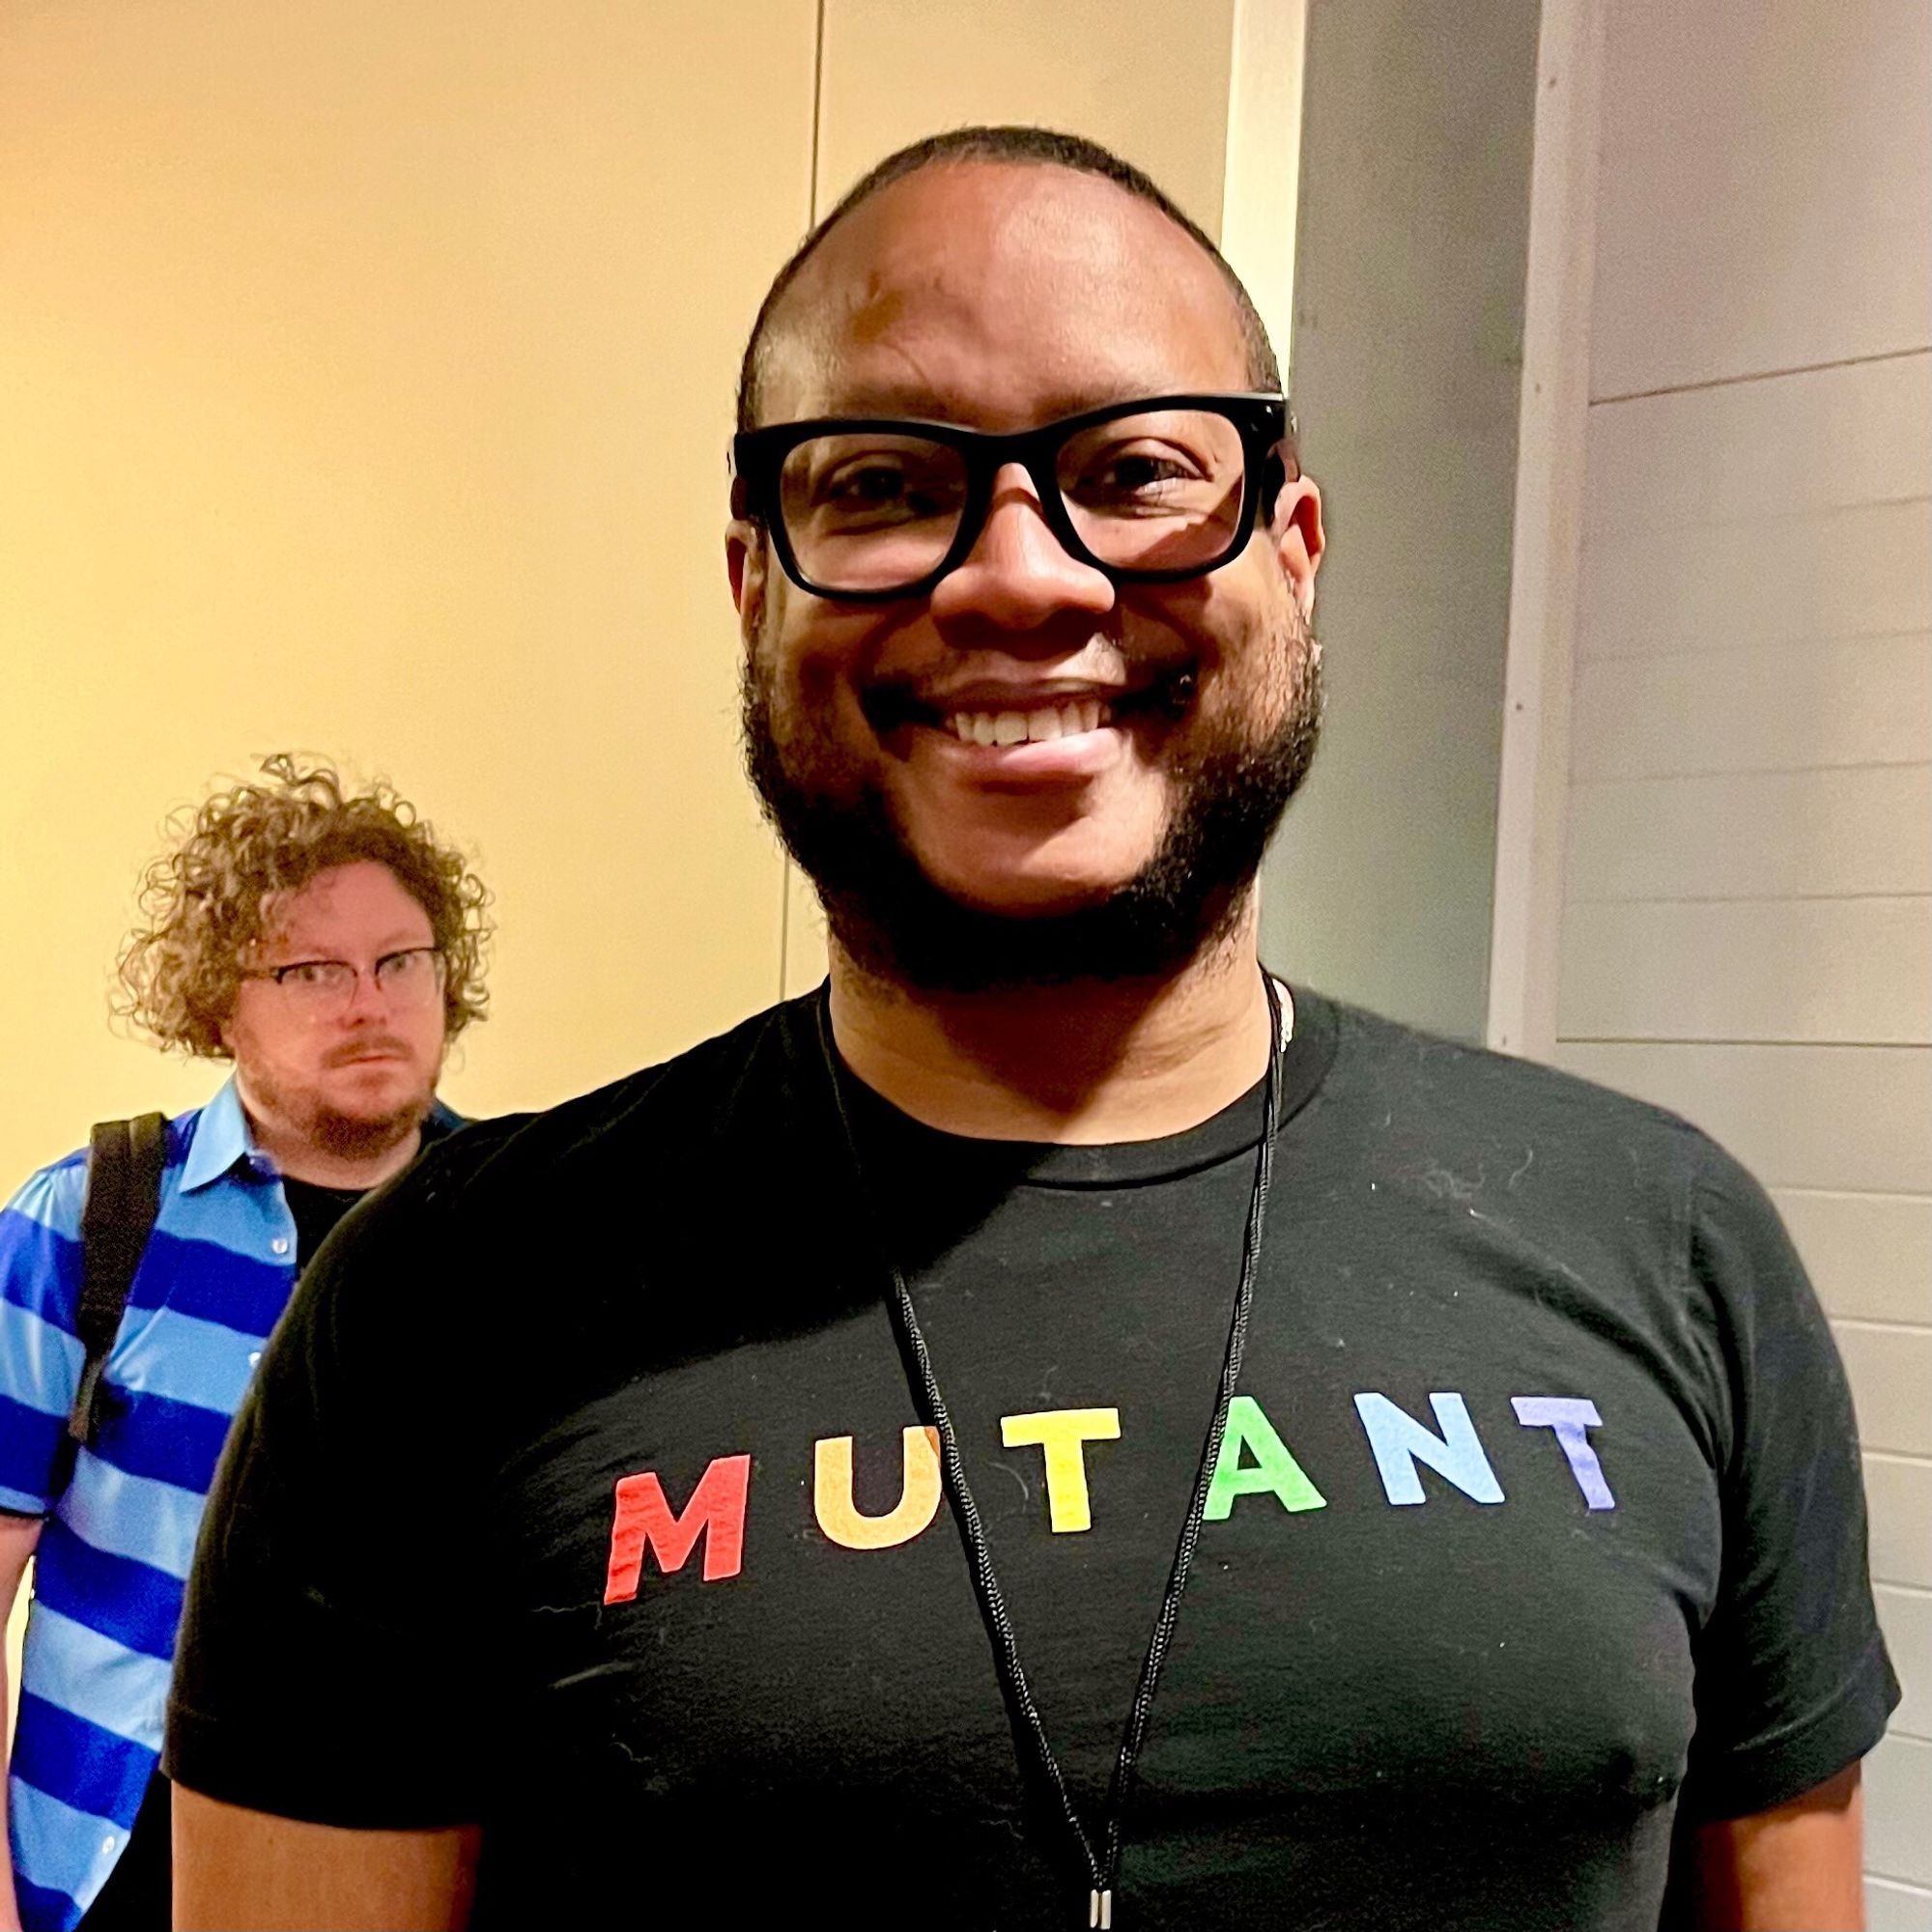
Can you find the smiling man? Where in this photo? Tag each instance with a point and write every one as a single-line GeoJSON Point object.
{"type": "Point", "coordinates": [1055, 1429]}
{"type": "Point", "coordinates": [326, 946]}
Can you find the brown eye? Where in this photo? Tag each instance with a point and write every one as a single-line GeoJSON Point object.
{"type": "Point", "coordinates": [1146, 475]}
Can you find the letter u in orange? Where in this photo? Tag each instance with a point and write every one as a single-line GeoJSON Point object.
{"type": "Point", "coordinates": [832, 1493]}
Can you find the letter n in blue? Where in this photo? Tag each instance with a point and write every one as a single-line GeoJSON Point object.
{"type": "Point", "coordinates": [1400, 1442]}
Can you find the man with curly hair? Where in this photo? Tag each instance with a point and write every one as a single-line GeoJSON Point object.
{"type": "Point", "coordinates": [330, 947]}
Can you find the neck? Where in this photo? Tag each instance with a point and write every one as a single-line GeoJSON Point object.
{"type": "Point", "coordinates": [1086, 1064]}
{"type": "Point", "coordinates": [304, 1162]}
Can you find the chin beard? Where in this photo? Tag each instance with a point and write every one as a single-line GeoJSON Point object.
{"type": "Point", "coordinates": [364, 1136]}
{"type": "Point", "coordinates": [894, 923]}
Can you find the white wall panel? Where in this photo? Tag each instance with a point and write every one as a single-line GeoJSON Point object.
{"type": "Point", "coordinates": [1809, 576]}
{"type": "Point", "coordinates": [1834, 1117]}
{"type": "Point", "coordinates": [1748, 969]}
{"type": "Point", "coordinates": [1898, 1801]}
{"type": "Point", "coordinates": [1906, 1616]}
{"type": "Point", "coordinates": [1746, 925]}
{"type": "Point", "coordinates": [1807, 443]}
{"type": "Point", "coordinates": [1893, 1906]}
{"type": "Point", "coordinates": [1766, 187]}
{"type": "Point", "coordinates": [1770, 708]}
{"type": "Point", "coordinates": [1753, 835]}
{"type": "Point", "coordinates": [1891, 1368]}
{"type": "Point", "coordinates": [1869, 1256]}
{"type": "Point", "coordinates": [1898, 1491]}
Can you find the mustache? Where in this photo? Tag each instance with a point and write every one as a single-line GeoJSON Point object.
{"type": "Point", "coordinates": [366, 1049]}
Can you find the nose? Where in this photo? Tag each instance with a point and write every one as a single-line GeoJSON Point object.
{"type": "Point", "coordinates": [1018, 575]}
{"type": "Point", "coordinates": [366, 999]}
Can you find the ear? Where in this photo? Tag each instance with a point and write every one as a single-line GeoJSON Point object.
{"type": "Point", "coordinates": [1296, 529]}
{"type": "Point", "coordinates": [744, 564]}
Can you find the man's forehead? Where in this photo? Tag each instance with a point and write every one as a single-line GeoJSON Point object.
{"type": "Point", "coordinates": [357, 893]}
{"type": "Point", "coordinates": [1000, 292]}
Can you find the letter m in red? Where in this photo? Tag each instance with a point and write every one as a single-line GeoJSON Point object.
{"type": "Point", "coordinates": [643, 1521]}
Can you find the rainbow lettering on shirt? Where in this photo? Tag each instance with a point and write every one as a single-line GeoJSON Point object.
{"type": "Point", "coordinates": [832, 1493]}
{"type": "Point", "coordinates": [1252, 1460]}
{"type": "Point", "coordinates": [1062, 1434]}
{"type": "Point", "coordinates": [643, 1521]}
{"type": "Point", "coordinates": [1274, 1471]}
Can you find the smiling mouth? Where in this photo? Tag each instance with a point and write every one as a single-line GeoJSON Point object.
{"type": "Point", "coordinates": [891, 708]}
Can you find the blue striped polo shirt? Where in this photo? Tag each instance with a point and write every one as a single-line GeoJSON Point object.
{"type": "Point", "coordinates": [113, 1557]}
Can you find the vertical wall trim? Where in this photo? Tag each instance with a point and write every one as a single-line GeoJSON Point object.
{"type": "Point", "coordinates": [817, 104]}
{"type": "Point", "coordinates": [1532, 797]}
{"type": "Point", "coordinates": [1262, 175]}
{"type": "Point", "coordinates": [785, 865]}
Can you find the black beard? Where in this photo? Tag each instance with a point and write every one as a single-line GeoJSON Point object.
{"type": "Point", "coordinates": [896, 923]}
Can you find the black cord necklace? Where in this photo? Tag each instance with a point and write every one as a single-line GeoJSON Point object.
{"type": "Point", "coordinates": [1102, 1865]}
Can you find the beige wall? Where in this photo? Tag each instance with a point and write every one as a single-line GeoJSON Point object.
{"type": "Point", "coordinates": [367, 377]}
{"type": "Point", "coordinates": [1744, 813]}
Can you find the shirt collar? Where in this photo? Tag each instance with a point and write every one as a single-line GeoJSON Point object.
{"type": "Point", "coordinates": [221, 1138]}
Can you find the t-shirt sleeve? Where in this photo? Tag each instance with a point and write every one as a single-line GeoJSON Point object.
{"type": "Point", "coordinates": [1793, 1683]}
{"type": "Point", "coordinates": [40, 1353]}
{"type": "Point", "coordinates": [325, 1670]}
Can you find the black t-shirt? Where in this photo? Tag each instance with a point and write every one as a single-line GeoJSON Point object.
{"type": "Point", "coordinates": [581, 1495]}
{"type": "Point", "coordinates": [316, 1209]}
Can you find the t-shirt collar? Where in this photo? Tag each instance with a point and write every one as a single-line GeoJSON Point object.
{"type": "Point", "coordinates": [898, 1140]}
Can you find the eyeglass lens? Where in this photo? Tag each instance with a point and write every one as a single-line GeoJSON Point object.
{"type": "Point", "coordinates": [406, 978]}
{"type": "Point", "coordinates": [870, 510]}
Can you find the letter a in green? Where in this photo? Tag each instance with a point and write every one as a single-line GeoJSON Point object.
{"type": "Point", "coordinates": [1273, 1468]}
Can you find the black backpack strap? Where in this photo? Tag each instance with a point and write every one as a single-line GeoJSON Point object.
{"type": "Point", "coordinates": [124, 1198]}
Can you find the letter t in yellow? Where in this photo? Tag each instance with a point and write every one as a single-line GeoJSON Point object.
{"type": "Point", "coordinates": [1060, 1433]}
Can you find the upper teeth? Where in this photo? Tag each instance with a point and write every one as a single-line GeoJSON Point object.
{"type": "Point", "coordinates": [1020, 727]}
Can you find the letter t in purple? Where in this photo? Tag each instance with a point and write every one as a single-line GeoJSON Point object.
{"type": "Point", "coordinates": [1570, 1418]}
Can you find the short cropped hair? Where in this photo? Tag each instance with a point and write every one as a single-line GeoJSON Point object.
{"type": "Point", "coordinates": [208, 899]}
{"type": "Point", "coordinates": [1042, 147]}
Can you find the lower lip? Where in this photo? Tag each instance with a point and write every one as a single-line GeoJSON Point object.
{"type": "Point", "coordinates": [1067, 761]}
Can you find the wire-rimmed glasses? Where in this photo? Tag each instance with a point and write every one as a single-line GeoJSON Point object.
{"type": "Point", "coordinates": [410, 976]}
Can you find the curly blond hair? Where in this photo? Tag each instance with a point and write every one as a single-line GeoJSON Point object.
{"type": "Point", "coordinates": [206, 901]}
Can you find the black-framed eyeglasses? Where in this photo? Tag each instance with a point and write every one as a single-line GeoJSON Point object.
{"type": "Point", "coordinates": [1154, 490]}
{"type": "Point", "coordinates": [407, 977]}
